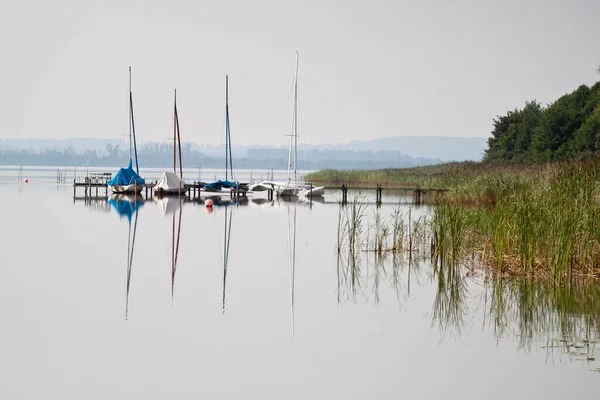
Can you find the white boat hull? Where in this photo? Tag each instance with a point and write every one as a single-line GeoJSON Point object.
{"type": "Point", "coordinates": [261, 187]}
{"type": "Point", "coordinates": [287, 190]}
{"type": "Point", "coordinates": [126, 189]}
{"type": "Point", "coordinates": [314, 191]}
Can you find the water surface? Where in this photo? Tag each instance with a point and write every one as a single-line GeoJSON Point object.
{"type": "Point", "coordinates": [82, 318]}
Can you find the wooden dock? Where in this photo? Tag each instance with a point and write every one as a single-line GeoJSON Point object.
{"type": "Point", "coordinates": [95, 186]}
{"type": "Point", "coordinates": [416, 190]}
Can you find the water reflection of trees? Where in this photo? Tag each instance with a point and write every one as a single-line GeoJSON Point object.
{"type": "Point", "coordinates": [392, 252]}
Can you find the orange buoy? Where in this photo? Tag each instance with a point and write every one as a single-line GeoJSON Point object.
{"type": "Point", "coordinates": [26, 180]}
{"type": "Point", "coordinates": [208, 203]}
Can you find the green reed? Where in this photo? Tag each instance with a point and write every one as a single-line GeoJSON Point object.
{"type": "Point", "coordinates": [524, 220]}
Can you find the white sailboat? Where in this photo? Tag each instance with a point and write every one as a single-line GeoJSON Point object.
{"type": "Point", "coordinates": [169, 183]}
{"type": "Point", "coordinates": [291, 187]}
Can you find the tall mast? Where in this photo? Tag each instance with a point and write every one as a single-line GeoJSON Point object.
{"type": "Point", "coordinates": [179, 146]}
{"type": "Point", "coordinates": [177, 143]}
{"type": "Point", "coordinates": [227, 132]}
{"type": "Point", "coordinates": [296, 119]}
{"type": "Point", "coordinates": [294, 134]}
{"type": "Point", "coordinates": [132, 127]}
{"type": "Point", "coordinates": [175, 134]}
{"type": "Point", "coordinates": [130, 117]}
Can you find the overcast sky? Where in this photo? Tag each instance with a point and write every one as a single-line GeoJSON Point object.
{"type": "Point", "coordinates": [368, 69]}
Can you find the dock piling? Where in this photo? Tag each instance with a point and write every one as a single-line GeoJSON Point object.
{"type": "Point", "coordinates": [344, 193]}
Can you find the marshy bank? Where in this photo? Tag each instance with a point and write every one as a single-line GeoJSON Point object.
{"type": "Point", "coordinates": [535, 220]}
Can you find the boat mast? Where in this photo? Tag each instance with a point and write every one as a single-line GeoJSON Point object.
{"type": "Point", "coordinates": [132, 127]}
{"type": "Point", "coordinates": [130, 116]}
{"type": "Point", "coordinates": [178, 140]}
{"type": "Point", "coordinates": [175, 134]}
{"type": "Point", "coordinates": [295, 120]}
{"type": "Point", "coordinates": [293, 136]}
{"type": "Point", "coordinates": [228, 160]}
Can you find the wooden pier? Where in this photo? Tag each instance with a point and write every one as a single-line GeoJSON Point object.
{"type": "Point", "coordinates": [95, 186]}
{"type": "Point", "coordinates": [417, 191]}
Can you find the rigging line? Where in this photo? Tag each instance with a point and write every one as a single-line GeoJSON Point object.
{"type": "Point", "coordinates": [168, 140]}
{"type": "Point", "coordinates": [303, 129]}
{"type": "Point", "coordinates": [280, 118]}
{"type": "Point", "coordinates": [228, 133]}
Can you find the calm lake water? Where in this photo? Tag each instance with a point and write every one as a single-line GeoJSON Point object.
{"type": "Point", "coordinates": [240, 316]}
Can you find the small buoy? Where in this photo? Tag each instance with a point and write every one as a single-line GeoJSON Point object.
{"type": "Point", "coordinates": [26, 180]}
{"type": "Point", "coordinates": [208, 203]}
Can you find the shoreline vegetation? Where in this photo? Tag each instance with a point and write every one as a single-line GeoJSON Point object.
{"type": "Point", "coordinates": [515, 220]}
{"type": "Point", "coordinates": [530, 209]}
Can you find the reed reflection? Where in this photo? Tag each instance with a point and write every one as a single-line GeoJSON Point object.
{"type": "Point", "coordinates": [381, 252]}
{"type": "Point", "coordinates": [566, 317]}
{"type": "Point", "coordinates": [376, 252]}
{"type": "Point", "coordinates": [128, 206]}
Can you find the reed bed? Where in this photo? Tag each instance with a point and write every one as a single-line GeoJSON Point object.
{"type": "Point", "coordinates": [533, 307]}
{"type": "Point", "coordinates": [540, 220]}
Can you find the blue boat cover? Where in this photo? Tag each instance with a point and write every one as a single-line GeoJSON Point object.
{"type": "Point", "coordinates": [218, 185]}
{"type": "Point", "coordinates": [126, 176]}
{"type": "Point", "coordinates": [125, 208]}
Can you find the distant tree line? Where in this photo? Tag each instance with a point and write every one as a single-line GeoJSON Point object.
{"type": "Point", "coordinates": [569, 127]}
{"type": "Point", "coordinates": [161, 155]}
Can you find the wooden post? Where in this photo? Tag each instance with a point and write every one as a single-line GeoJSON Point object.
{"type": "Point", "coordinates": [344, 194]}
{"type": "Point", "coordinates": [74, 189]}
{"type": "Point", "coordinates": [417, 194]}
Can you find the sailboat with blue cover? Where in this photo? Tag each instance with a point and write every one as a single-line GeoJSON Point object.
{"type": "Point", "coordinates": [219, 185]}
{"type": "Point", "coordinates": [127, 180]}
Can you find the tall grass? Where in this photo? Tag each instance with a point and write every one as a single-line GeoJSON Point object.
{"type": "Point", "coordinates": [519, 220]}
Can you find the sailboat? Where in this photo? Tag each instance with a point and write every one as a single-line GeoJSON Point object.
{"type": "Point", "coordinates": [219, 185]}
{"type": "Point", "coordinates": [127, 180]}
{"type": "Point", "coordinates": [169, 183]}
{"type": "Point", "coordinates": [290, 187]}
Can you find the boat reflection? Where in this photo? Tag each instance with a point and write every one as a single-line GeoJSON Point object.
{"type": "Point", "coordinates": [291, 245]}
{"type": "Point", "coordinates": [125, 205]}
{"type": "Point", "coordinates": [173, 205]}
{"type": "Point", "coordinates": [226, 241]}
{"type": "Point", "coordinates": [128, 206]}
{"type": "Point", "coordinates": [169, 204]}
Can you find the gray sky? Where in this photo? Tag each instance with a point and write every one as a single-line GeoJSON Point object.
{"type": "Point", "coordinates": [367, 69]}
